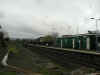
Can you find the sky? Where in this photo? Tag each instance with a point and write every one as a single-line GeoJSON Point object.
{"type": "Point", "coordinates": [34, 18]}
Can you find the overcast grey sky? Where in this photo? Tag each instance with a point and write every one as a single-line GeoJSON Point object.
{"type": "Point", "coordinates": [29, 18]}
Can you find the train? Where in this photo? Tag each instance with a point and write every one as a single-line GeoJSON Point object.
{"type": "Point", "coordinates": [80, 42]}
{"type": "Point", "coordinates": [89, 41]}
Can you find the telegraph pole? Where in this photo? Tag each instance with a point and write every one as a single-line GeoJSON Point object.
{"type": "Point", "coordinates": [96, 23]}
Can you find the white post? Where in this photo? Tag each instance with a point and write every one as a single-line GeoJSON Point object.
{"type": "Point", "coordinates": [73, 43]}
{"type": "Point", "coordinates": [88, 43]}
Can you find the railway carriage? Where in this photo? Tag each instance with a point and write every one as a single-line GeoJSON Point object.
{"type": "Point", "coordinates": [80, 42]}
{"type": "Point", "coordinates": [65, 42]}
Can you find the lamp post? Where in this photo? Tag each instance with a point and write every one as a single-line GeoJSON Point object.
{"type": "Point", "coordinates": [96, 23]}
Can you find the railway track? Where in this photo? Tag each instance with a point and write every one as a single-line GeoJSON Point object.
{"type": "Point", "coordinates": [21, 70]}
{"type": "Point", "coordinates": [63, 57]}
{"type": "Point", "coordinates": [17, 69]}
